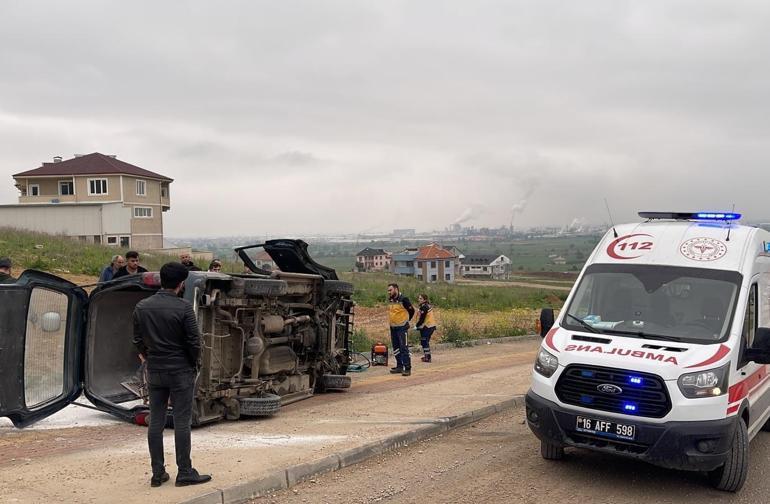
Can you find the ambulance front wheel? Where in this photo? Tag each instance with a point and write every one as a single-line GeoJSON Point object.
{"type": "Point", "coordinates": [551, 451]}
{"type": "Point", "coordinates": [731, 476]}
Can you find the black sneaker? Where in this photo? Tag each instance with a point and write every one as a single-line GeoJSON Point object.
{"type": "Point", "coordinates": [157, 481]}
{"type": "Point", "coordinates": [406, 372]}
{"type": "Point", "coordinates": [192, 478]}
{"type": "Point", "coordinates": [397, 370]}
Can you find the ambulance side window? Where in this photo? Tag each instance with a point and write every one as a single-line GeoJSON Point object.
{"type": "Point", "coordinates": [749, 320]}
{"type": "Point", "coordinates": [583, 306]}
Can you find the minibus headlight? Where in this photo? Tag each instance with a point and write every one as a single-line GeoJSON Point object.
{"type": "Point", "coordinates": [709, 383]}
{"type": "Point", "coordinates": [546, 363]}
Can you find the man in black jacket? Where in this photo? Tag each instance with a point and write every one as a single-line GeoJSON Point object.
{"type": "Point", "coordinates": [5, 271]}
{"type": "Point", "coordinates": [132, 265]}
{"type": "Point", "coordinates": [167, 337]}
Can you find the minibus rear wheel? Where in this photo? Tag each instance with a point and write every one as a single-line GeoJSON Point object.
{"type": "Point", "coordinates": [551, 451]}
{"type": "Point", "coordinates": [731, 476]}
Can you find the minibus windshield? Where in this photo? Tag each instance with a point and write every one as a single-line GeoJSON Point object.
{"type": "Point", "coordinates": [655, 302]}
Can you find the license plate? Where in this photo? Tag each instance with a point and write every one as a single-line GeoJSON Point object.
{"type": "Point", "coordinates": [606, 429]}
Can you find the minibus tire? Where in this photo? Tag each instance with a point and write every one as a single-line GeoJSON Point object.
{"type": "Point", "coordinates": [731, 476]}
{"type": "Point", "coordinates": [551, 451]}
{"type": "Point", "coordinates": [267, 405]}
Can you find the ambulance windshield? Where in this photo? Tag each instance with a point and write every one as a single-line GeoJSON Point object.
{"type": "Point", "coordinates": [656, 302]}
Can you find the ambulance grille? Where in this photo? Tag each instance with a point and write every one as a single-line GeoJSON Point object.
{"type": "Point", "coordinates": [627, 392]}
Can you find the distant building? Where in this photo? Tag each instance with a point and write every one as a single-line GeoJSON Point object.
{"type": "Point", "coordinates": [263, 260]}
{"type": "Point", "coordinates": [559, 260]}
{"type": "Point", "coordinates": [460, 256]}
{"type": "Point", "coordinates": [404, 232]}
{"type": "Point", "coordinates": [402, 263]}
{"type": "Point", "coordinates": [93, 198]}
{"type": "Point", "coordinates": [486, 265]}
{"type": "Point", "coordinates": [370, 259]}
{"type": "Point", "coordinates": [435, 264]}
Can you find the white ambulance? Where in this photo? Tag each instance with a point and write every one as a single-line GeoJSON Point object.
{"type": "Point", "coordinates": [660, 350]}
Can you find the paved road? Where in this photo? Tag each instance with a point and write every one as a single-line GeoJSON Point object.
{"type": "Point", "coordinates": [498, 460]}
{"type": "Point", "coordinates": [100, 460]}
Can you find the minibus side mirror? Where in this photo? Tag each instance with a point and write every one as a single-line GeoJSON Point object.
{"type": "Point", "coordinates": [760, 349]}
{"type": "Point", "coordinates": [546, 321]}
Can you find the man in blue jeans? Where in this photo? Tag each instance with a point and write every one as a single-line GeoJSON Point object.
{"type": "Point", "coordinates": [400, 312]}
{"type": "Point", "coordinates": [167, 337]}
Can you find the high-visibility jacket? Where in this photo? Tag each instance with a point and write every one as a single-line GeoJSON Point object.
{"type": "Point", "coordinates": [426, 316]}
{"type": "Point", "coordinates": [400, 311]}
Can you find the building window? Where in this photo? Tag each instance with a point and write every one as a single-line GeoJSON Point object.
{"type": "Point", "coordinates": [34, 190]}
{"type": "Point", "coordinates": [163, 192]}
{"type": "Point", "coordinates": [66, 188]}
{"type": "Point", "coordinates": [433, 278]}
{"type": "Point", "coordinates": [97, 186]}
{"type": "Point", "coordinates": [112, 240]}
{"type": "Point", "coordinates": [141, 188]}
{"type": "Point", "coordinates": [433, 264]}
{"type": "Point", "coordinates": [446, 264]}
{"type": "Point", "coordinates": [143, 212]}
{"type": "Point", "coordinates": [448, 277]}
{"type": "Point", "coordinates": [125, 241]}
{"type": "Point", "coordinates": [467, 268]}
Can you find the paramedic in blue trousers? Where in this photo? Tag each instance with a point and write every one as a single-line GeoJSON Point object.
{"type": "Point", "coordinates": [426, 324]}
{"type": "Point", "coordinates": [400, 312]}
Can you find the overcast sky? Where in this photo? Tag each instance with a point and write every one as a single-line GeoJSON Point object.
{"type": "Point", "coordinates": [303, 117]}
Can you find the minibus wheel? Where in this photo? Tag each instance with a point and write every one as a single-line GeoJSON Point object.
{"type": "Point", "coordinates": [551, 451]}
{"type": "Point", "coordinates": [731, 476]}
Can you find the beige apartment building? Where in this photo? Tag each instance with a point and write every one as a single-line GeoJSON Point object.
{"type": "Point", "coordinates": [94, 198]}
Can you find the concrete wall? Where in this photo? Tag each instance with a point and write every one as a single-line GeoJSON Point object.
{"type": "Point", "coordinates": [70, 220]}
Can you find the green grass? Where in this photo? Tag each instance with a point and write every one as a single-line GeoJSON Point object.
{"type": "Point", "coordinates": [371, 290]}
{"type": "Point", "coordinates": [59, 254]}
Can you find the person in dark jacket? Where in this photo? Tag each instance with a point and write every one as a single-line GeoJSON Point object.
{"type": "Point", "coordinates": [400, 312]}
{"type": "Point", "coordinates": [426, 324]}
{"type": "Point", "coordinates": [132, 265]}
{"type": "Point", "coordinates": [167, 338]}
{"type": "Point", "coordinates": [186, 259]}
{"type": "Point", "coordinates": [109, 271]}
{"type": "Point", "coordinates": [5, 271]}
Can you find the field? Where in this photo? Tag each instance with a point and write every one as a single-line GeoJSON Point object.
{"type": "Point", "coordinates": [58, 254]}
{"type": "Point", "coordinates": [464, 311]}
{"type": "Point", "coordinates": [532, 255]}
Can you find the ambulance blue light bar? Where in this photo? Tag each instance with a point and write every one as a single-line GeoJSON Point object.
{"type": "Point", "coordinates": [708, 216]}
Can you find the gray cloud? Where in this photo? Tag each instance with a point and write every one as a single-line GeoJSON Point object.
{"type": "Point", "coordinates": [343, 115]}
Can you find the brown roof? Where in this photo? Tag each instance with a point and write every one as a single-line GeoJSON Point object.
{"type": "Point", "coordinates": [433, 251]}
{"type": "Point", "coordinates": [91, 164]}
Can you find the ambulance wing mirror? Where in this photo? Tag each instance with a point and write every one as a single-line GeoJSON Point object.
{"type": "Point", "coordinates": [546, 321]}
{"type": "Point", "coordinates": [760, 349]}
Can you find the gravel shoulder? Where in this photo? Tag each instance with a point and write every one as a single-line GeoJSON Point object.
{"type": "Point", "coordinates": [84, 456]}
{"type": "Point", "coordinates": [497, 460]}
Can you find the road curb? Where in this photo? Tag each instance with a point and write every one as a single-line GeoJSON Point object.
{"type": "Point", "coordinates": [294, 474]}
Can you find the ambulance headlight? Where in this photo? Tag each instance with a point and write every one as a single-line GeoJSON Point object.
{"type": "Point", "coordinates": [709, 383]}
{"type": "Point", "coordinates": [546, 363]}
